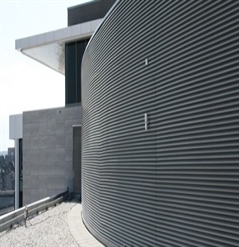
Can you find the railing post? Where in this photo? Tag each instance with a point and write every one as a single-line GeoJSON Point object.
{"type": "Point", "coordinates": [25, 214]}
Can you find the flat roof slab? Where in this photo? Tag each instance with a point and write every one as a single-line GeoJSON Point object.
{"type": "Point", "coordinates": [49, 48]}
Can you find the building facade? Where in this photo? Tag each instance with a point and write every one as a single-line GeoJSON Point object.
{"type": "Point", "coordinates": [48, 141]}
{"type": "Point", "coordinates": [160, 156]}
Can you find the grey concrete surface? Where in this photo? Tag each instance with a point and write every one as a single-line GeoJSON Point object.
{"type": "Point", "coordinates": [47, 151]}
{"type": "Point", "coordinates": [78, 230]}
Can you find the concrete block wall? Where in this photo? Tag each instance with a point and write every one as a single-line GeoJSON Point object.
{"type": "Point", "coordinates": [47, 151]}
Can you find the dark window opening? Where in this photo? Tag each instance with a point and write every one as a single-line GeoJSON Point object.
{"type": "Point", "coordinates": [73, 56]}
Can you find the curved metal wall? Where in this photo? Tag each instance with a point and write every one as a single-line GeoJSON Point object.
{"type": "Point", "coordinates": [175, 184]}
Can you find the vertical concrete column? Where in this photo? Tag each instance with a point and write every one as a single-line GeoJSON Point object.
{"type": "Point", "coordinates": [16, 174]}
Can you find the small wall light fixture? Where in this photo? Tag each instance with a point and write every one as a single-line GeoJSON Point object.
{"type": "Point", "coordinates": [146, 121]}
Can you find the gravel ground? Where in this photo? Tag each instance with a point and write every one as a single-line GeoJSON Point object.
{"type": "Point", "coordinates": [50, 228]}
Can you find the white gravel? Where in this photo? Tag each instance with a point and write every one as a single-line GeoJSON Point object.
{"type": "Point", "coordinates": [50, 228]}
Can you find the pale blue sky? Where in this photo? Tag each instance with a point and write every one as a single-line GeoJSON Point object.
{"type": "Point", "coordinates": [24, 83]}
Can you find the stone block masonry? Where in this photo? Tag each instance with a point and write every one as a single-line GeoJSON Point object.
{"type": "Point", "coordinates": [47, 151]}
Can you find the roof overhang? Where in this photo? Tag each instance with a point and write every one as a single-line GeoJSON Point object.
{"type": "Point", "coordinates": [49, 48]}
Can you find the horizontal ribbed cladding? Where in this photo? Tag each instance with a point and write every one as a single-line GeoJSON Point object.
{"type": "Point", "coordinates": [177, 183]}
{"type": "Point", "coordinates": [197, 123]}
{"type": "Point", "coordinates": [127, 152]}
{"type": "Point", "coordinates": [88, 11]}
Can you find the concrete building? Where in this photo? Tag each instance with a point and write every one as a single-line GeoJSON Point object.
{"type": "Point", "coordinates": [160, 137]}
{"type": "Point", "coordinates": [48, 141]}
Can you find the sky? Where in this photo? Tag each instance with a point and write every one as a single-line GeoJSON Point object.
{"type": "Point", "coordinates": [24, 83]}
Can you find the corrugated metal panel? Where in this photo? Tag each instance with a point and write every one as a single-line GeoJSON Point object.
{"type": "Point", "coordinates": [197, 123]}
{"type": "Point", "coordinates": [88, 11]}
{"type": "Point", "coordinates": [176, 184]}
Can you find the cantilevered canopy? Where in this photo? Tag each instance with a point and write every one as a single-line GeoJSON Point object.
{"type": "Point", "coordinates": [49, 48]}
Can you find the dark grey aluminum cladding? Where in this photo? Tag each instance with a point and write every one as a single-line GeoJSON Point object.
{"type": "Point", "coordinates": [88, 11]}
{"type": "Point", "coordinates": [177, 183]}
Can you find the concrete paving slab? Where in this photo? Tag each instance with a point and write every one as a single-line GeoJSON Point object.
{"type": "Point", "coordinates": [78, 230]}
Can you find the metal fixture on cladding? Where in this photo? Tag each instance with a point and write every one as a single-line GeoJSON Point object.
{"type": "Point", "coordinates": [146, 121]}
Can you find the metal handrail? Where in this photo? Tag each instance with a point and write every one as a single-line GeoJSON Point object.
{"type": "Point", "coordinates": [10, 219]}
